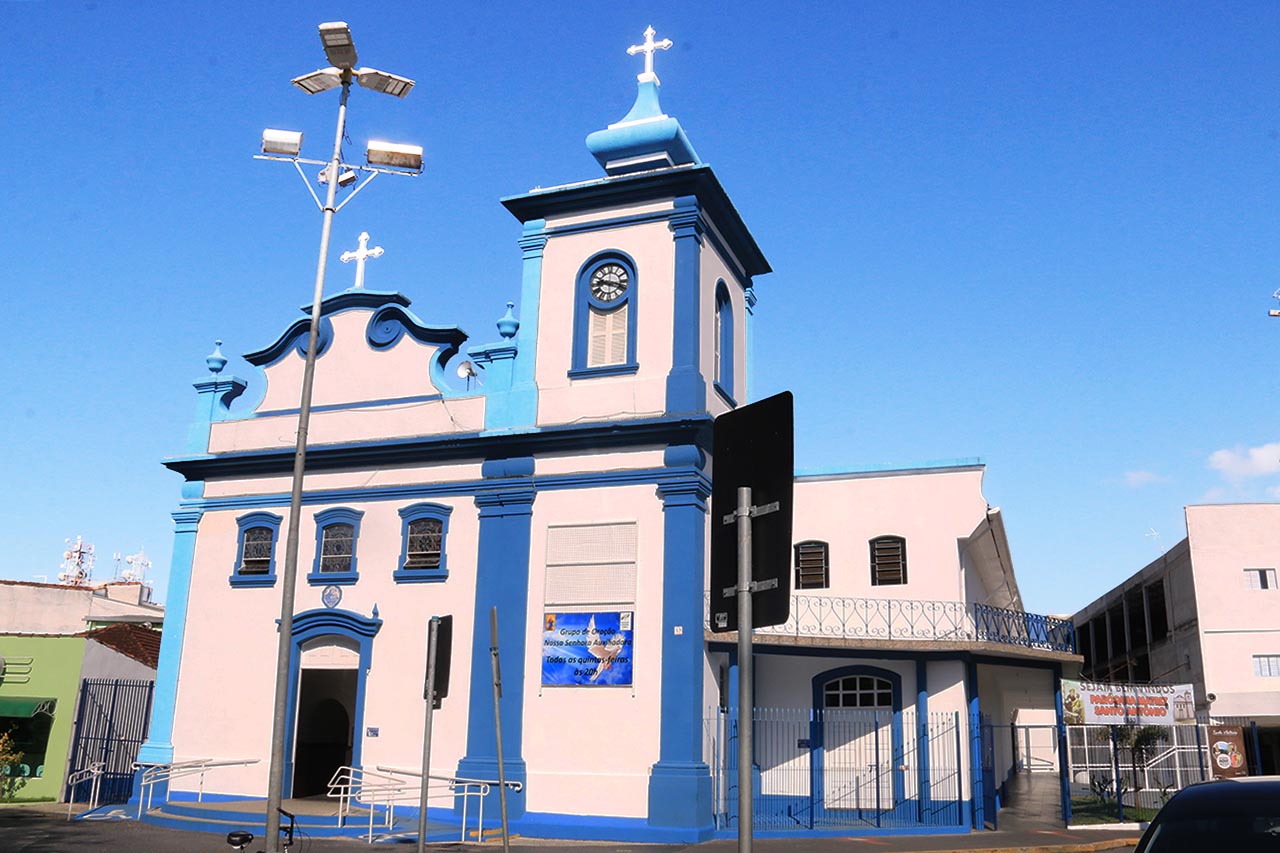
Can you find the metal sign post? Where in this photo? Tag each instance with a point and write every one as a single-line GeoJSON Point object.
{"type": "Point", "coordinates": [497, 724]}
{"type": "Point", "coordinates": [745, 671]}
{"type": "Point", "coordinates": [429, 694]}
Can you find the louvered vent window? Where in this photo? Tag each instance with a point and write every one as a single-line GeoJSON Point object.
{"type": "Point", "coordinates": [591, 565]}
{"type": "Point", "coordinates": [256, 559]}
{"type": "Point", "coordinates": [608, 337]}
{"type": "Point", "coordinates": [888, 561]}
{"type": "Point", "coordinates": [811, 565]}
{"type": "Point", "coordinates": [425, 538]}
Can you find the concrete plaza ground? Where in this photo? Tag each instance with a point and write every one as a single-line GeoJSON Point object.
{"type": "Point", "coordinates": [45, 829]}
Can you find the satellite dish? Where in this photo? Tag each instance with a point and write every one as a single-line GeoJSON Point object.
{"type": "Point", "coordinates": [466, 370]}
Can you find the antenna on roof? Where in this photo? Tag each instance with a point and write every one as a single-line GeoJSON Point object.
{"type": "Point", "coordinates": [137, 567]}
{"type": "Point", "coordinates": [1152, 533]}
{"type": "Point", "coordinates": [77, 563]}
{"type": "Point", "coordinates": [1274, 312]}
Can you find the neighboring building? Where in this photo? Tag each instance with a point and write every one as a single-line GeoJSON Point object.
{"type": "Point", "coordinates": [570, 491]}
{"type": "Point", "coordinates": [48, 608]}
{"type": "Point", "coordinates": [1207, 612]}
{"type": "Point", "coordinates": [42, 678]}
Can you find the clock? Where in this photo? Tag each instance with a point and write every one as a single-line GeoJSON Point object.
{"type": "Point", "coordinates": [609, 282]}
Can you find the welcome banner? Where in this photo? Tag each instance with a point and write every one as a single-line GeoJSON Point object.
{"type": "Point", "coordinates": [1127, 704]}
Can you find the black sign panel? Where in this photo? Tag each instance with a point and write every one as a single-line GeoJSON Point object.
{"type": "Point", "coordinates": [753, 446]}
{"type": "Point", "coordinates": [444, 655]}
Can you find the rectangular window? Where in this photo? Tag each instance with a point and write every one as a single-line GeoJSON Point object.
{"type": "Point", "coordinates": [888, 561]}
{"type": "Point", "coordinates": [256, 555]}
{"type": "Point", "coordinates": [811, 566]}
{"type": "Point", "coordinates": [1260, 578]}
{"type": "Point", "coordinates": [1158, 611]}
{"type": "Point", "coordinates": [336, 548]}
{"type": "Point", "coordinates": [608, 337]}
{"type": "Point", "coordinates": [1266, 666]}
{"type": "Point", "coordinates": [423, 549]}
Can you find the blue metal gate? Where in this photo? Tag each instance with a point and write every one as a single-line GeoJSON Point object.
{"type": "Point", "coordinates": [111, 724]}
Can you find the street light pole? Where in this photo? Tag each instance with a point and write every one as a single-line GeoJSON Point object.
{"type": "Point", "coordinates": [275, 781]}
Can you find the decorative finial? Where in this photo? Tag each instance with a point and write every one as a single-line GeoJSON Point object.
{"type": "Point", "coordinates": [508, 325]}
{"type": "Point", "coordinates": [216, 360]}
{"type": "Point", "coordinates": [648, 49]}
{"type": "Point", "coordinates": [360, 255]}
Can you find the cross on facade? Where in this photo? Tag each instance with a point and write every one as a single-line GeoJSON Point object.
{"type": "Point", "coordinates": [360, 255]}
{"type": "Point", "coordinates": [648, 49]}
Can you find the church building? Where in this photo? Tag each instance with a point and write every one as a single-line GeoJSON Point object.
{"type": "Point", "coordinates": [567, 485]}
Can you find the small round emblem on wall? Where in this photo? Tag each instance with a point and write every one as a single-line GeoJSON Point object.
{"type": "Point", "coordinates": [332, 596]}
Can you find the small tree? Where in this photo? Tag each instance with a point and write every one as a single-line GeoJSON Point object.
{"type": "Point", "coordinates": [1140, 741]}
{"type": "Point", "coordinates": [10, 766]}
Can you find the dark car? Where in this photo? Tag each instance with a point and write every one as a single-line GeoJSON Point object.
{"type": "Point", "coordinates": [1230, 815]}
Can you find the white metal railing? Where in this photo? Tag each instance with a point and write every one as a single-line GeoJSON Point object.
{"type": "Point", "coordinates": [457, 786]}
{"type": "Point", "coordinates": [93, 771]}
{"type": "Point", "coordinates": [153, 774]}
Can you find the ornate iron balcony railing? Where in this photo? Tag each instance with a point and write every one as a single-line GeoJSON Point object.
{"type": "Point", "coordinates": [908, 619]}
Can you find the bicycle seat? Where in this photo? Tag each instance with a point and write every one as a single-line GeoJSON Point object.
{"type": "Point", "coordinates": [239, 839]}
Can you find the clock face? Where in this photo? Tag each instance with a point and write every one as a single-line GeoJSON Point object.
{"type": "Point", "coordinates": [609, 282]}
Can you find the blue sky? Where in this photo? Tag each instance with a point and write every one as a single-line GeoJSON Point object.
{"type": "Point", "coordinates": [1040, 234]}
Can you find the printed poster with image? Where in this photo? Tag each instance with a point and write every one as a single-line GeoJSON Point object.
{"type": "Point", "coordinates": [587, 649]}
{"type": "Point", "coordinates": [1226, 752]}
{"type": "Point", "coordinates": [1127, 704]}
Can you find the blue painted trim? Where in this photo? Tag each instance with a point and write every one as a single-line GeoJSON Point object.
{"type": "Point", "coordinates": [408, 515]}
{"type": "Point", "coordinates": [725, 395]}
{"type": "Point", "coordinates": [974, 463]}
{"type": "Point", "coordinates": [724, 324]}
{"type": "Point", "coordinates": [502, 581]}
{"type": "Point", "coordinates": [519, 407]}
{"type": "Point", "coordinates": [322, 622]}
{"type": "Point", "coordinates": [158, 748]}
{"type": "Point", "coordinates": [295, 337]}
{"type": "Point", "coordinates": [583, 305]}
{"type": "Point", "coordinates": [692, 428]}
{"type": "Point", "coordinates": [686, 389]}
{"type": "Point", "coordinates": [214, 396]}
{"type": "Point", "coordinates": [390, 323]}
{"type": "Point", "coordinates": [923, 785]}
{"type": "Point", "coordinates": [247, 522]}
{"type": "Point", "coordinates": [361, 404]}
{"type": "Point", "coordinates": [336, 515]}
{"type": "Point", "coordinates": [555, 482]}
{"type": "Point", "coordinates": [817, 729]}
{"type": "Point", "coordinates": [975, 743]}
{"type": "Point", "coordinates": [680, 793]}
{"type": "Point", "coordinates": [621, 191]}
{"type": "Point", "coordinates": [1060, 731]}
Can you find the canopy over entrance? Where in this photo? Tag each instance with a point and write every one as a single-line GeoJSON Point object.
{"type": "Point", "coordinates": [26, 707]}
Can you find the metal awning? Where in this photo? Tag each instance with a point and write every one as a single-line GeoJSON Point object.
{"type": "Point", "coordinates": [26, 706]}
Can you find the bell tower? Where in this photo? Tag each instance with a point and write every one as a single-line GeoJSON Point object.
{"type": "Point", "coordinates": [637, 286]}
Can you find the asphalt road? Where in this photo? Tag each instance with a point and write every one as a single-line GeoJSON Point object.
{"type": "Point", "coordinates": [45, 829]}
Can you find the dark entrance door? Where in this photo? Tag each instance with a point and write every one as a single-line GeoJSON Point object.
{"type": "Point", "coordinates": [326, 702]}
{"type": "Point", "coordinates": [110, 726]}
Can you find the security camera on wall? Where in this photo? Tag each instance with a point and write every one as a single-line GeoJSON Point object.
{"type": "Point", "coordinates": [1212, 697]}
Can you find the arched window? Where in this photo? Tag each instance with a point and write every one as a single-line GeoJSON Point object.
{"type": "Point", "coordinates": [812, 565]}
{"type": "Point", "coordinates": [724, 342]}
{"type": "Point", "coordinates": [337, 531]}
{"type": "Point", "coordinates": [423, 533]}
{"type": "Point", "coordinates": [888, 561]}
{"type": "Point", "coordinates": [858, 691]}
{"type": "Point", "coordinates": [255, 554]}
{"type": "Point", "coordinates": [604, 323]}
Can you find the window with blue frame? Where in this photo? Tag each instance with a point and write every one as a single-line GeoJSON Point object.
{"type": "Point", "coordinates": [424, 530]}
{"type": "Point", "coordinates": [724, 342]}
{"type": "Point", "coordinates": [604, 321]}
{"type": "Point", "coordinates": [337, 531]}
{"type": "Point", "coordinates": [256, 552]}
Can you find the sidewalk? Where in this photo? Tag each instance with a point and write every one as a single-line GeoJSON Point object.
{"type": "Point", "coordinates": [43, 828]}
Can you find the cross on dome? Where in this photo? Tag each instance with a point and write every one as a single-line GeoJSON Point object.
{"type": "Point", "coordinates": [360, 255]}
{"type": "Point", "coordinates": [648, 49]}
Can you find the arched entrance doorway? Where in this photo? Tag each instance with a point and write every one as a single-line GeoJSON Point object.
{"type": "Point", "coordinates": [326, 712]}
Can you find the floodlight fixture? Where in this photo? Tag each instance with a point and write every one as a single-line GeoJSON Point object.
{"type": "Point", "coordinates": [338, 46]}
{"type": "Point", "coordinates": [285, 142]}
{"type": "Point", "coordinates": [321, 80]}
{"type": "Point", "coordinates": [382, 81]}
{"type": "Point", "coordinates": [394, 154]}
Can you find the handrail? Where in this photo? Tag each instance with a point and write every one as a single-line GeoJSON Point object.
{"type": "Point", "coordinates": [94, 771]}
{"type": "Point", "coordinates": [155, 773]}
{"type": "Point", "coordinates": [459, 786]}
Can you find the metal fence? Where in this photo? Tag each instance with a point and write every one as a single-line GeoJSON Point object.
{"type": "Point", "coordinates": [110, 727]}
{"type": "Point", "coordinates": [839, 769]}
{"type": "Point", "coordinates": [1151, 761]}
{"type": "Point", "coordinates": [910, 619]}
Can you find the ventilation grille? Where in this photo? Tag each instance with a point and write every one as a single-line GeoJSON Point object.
{"type": "Point", "coordinates": [591, 564]}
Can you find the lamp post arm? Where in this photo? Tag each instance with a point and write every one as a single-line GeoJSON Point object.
{"type": "Point", "coordinates": [288, 581]}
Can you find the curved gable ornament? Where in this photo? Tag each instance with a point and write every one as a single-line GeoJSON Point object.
{"type": "Point", "coordinates": [390, 323]}
{"type": "Point", "coordinates": [315, 623]}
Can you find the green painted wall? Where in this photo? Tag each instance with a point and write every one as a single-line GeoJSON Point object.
{"type": "Point", "coordinates": [54, 672]}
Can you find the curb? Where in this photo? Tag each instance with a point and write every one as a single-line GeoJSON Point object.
{"type": "Point", "coordinates": [1082, 847]}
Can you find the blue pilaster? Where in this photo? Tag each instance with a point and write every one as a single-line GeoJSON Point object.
{"type": "Point", "coordinates": [975, 745]}
{"type": "Point", "coordinates": [922, 737]}
{"type": "Point", "coordinates": [1060, 732]}
{"type": "Point", "coordinates": [680, 782]}
{"type": "Point", "coordinates": [686, 389]}
{"type": "Point", "coordinates": [502, 580]}
{"type": "Point", "coordinates": [158, 748]}
{"type": "Point", "coordinates": [522, 403]}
